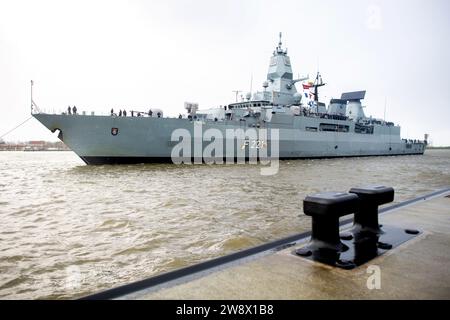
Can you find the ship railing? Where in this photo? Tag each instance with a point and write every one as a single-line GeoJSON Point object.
{"type": "Point", "coordinates": [413, 141]}
{"type": "Point", "coordinates": [59, 111]}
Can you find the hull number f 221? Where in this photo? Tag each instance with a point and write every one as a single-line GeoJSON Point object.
{"type": "Point", "coordinates": [254, 144]}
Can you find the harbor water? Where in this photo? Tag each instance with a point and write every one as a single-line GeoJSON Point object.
{"type": "Point", "coordinates": [69, 229]}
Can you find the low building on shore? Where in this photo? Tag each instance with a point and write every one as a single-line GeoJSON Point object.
{"type": "Point", "coordinates": [35, 145]}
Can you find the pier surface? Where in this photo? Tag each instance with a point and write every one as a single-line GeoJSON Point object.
{"type": "Point", "coordinates": [417, 269]}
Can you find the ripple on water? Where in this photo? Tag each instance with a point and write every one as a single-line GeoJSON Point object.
{"type": "Point", "coordinates": [14, 282]}
{"type": "Point", "coordinates": [112, 224]}
{"type": "Point", "coordinates": [118, 224]}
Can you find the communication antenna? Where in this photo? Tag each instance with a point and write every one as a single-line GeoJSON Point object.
{"type": "Point", "coordinates": [317, 84]}
{"type": "Point", "coordinates": [237, 93]}
{"type": "Point", "coordinates": [385, 104]}
{"type": "Point", "coordinates": [318, 66]}
{"type": "Point", "coordinates": [251, 84]}
{"type": "Point", "coordinates": [31, 98]}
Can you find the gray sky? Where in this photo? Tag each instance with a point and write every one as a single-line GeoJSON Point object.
{"type": "Point", "coordinates": [102, 54]}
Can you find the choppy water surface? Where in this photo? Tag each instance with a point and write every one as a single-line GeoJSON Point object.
{"type": "Point", "coordinates": [68, 229]}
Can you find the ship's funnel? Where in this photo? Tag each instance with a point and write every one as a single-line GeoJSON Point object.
{"type": "Point", "coordinates": [354, 108]}
{"type": "Point", "coordinates": [337, 107]}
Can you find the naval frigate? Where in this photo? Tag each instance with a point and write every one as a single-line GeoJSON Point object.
{"type": "Point", "coordinates": [305, 127]}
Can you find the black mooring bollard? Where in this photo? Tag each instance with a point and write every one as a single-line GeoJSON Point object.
{"type": "Point", "coordinates": [364, 242]}
{"type": "Point", "coordinates": [325, 210]}
{"type": "Point", "coordinates": [366, 217]}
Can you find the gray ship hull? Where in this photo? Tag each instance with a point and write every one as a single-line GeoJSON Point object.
{"type": "Point", "coordinates": [148, 140]}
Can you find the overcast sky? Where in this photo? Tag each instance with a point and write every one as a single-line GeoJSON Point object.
{"type": "Point", "coordinates": [102, 54]}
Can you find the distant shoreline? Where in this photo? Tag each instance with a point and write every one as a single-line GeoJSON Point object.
{"type": "Point", "coordinates": [36, 145]}
{"type": "Point", "coordinates": [62, 150]}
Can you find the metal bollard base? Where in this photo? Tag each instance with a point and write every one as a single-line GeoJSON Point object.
{"type": "Point", "coordinates": [362, 247]}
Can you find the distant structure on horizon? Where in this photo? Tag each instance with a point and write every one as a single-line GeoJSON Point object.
{"type": "Point", "coordinates": [36, 145]}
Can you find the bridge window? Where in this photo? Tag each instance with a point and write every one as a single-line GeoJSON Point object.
{"type": "Point", "coordinates": [332, 127]}
{"type": "Point", "coordinates": [360, 128]}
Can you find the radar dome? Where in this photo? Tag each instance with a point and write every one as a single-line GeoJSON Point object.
{"type": "Point", "coordinates": [297, 97]}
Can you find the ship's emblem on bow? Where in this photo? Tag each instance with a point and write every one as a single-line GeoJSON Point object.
{"type": "Point", "coordinates": [114, 131]}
